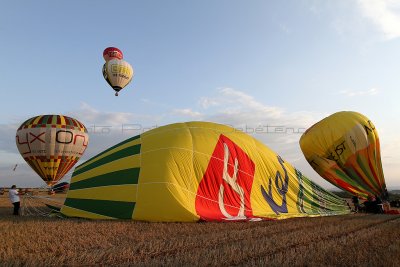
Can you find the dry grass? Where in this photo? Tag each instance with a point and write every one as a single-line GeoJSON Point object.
{"type": "Point", "coordinates": [351, 240]}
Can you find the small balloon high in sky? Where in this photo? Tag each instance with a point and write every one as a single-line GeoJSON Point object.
{"type": "Point", "coordinates": [117, 72]}
{"type": "Point", "coordinates": [112, 53]}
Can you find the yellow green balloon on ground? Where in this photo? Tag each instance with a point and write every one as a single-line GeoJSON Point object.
{"type": "Point", "coordinates": [51, 145]}
{"type": "Point", "coordinates": [194, 171]}
{"type": "Point", "coordinates": [344, 149]}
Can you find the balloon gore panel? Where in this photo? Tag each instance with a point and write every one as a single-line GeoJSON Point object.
{"type": "Point", "coordinates": [344, 149]}
{"type": "Point", "coordinates": [51, 145]}
{"type": "Point", "coordinates": [194, 171]}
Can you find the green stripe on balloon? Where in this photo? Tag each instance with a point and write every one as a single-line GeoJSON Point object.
{"type": "Point", "coordinates": [114, 209]}
{"type": "Point", "coordinates": [127, 176]}
{"type": "Point", "coordinates": [129, 151]}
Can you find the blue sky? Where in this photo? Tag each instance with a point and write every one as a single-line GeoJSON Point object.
{"type": "Point", "coordinates": [243, 63]}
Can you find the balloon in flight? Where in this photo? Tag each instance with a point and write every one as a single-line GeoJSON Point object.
{"type": "Point", "coordinates": [51, 145]}
{"type": "Point", "coordinates": [118, 74]}
{"type": "Point", "coordinates": [112, 53]}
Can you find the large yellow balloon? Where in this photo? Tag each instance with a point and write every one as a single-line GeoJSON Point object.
{"type": "Point", "coordinates": [51, 145]}
{"type": "Point", "coordinates": [118, 74]}
{"type": "Point", "coordinates": [344, 149]}
{"type": "Point", "coordinates": [194, 171]}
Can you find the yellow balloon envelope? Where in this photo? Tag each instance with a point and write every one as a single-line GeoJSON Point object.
{"type": "Point", "coordinates": [194, 171]}
{"type": "Point", "coordinates": [51, 145]}
{"type": "Point", "coordinates": [344, 149]}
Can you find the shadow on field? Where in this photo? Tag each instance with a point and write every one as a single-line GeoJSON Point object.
{"type": "Point", "coordinates": [4, 211]}
{"type": "Point", "coordinates": [6, 214]}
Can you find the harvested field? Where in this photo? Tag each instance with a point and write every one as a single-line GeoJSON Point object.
{"type": "Point", "coordinates": [350, 240]}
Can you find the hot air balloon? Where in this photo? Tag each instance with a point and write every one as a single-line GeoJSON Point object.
{"type": "Point", "coordinates": [51, 145]}
{"type": "Point", "coordinates": [112, 53]}
{"type": "Point", "coordinates": [118, 74]}
{"type": "Point", "coordinates": [194, 171]}
{"type": "Point", "coordinates": [344, 149]}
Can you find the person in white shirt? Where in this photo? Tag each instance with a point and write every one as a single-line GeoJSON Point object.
{"type": "Point", "coordinates": [14, 198]}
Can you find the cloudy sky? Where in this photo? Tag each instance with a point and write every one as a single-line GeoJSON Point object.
{"type": "Point", "coordinates": [269, 64]}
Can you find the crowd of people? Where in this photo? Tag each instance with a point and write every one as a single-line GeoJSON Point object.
{"type": "Point", "coordinates": [371, 205]}
{"type": "Point", "coordinates": [395, 203]}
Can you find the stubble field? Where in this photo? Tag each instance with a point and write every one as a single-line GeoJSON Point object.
{"type": "Point", "coordinates": [350, 240]}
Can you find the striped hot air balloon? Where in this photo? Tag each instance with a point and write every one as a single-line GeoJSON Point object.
{"type": "Point", "coordinates": [51, 145]}
{"type": "Point", "coordinates": [194, 171]}
{"type": "Point", "coordinates": [344, 149]}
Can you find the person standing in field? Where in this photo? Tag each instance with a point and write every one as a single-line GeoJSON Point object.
{"type": "Point", "coordinates": [378, 205]}
{"type": "Point", "coordinates": [13, 194]}
{"type": "Point", "coordinates": [356, 203]}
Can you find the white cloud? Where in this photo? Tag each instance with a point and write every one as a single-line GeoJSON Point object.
{"type": "Point", "coordinates": [390, 145]}
{"type": "Point", "coordinates": [314, 6]}
{"type": "Point", "coordinates": [187, 112]}
{"type": "Point", "coordinates": [385, 14]}
{"type": "Point", "coordinates": [235, 102]}
{"type": "Point", "coordinates": [91, 116]}
{"type": "Point", "coordinates": [284, 28]}
{"type": "Point", "coordinates": [206, 102]}
{"type": "Point", "coordinates": [278, 129]}
{"type": "Point", "coordinates": [7, 142]}
{"type": "Point", "coordinates": [369, 92]}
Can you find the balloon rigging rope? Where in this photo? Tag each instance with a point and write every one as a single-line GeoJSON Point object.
{"type": "Point", "coordinates": [29, 208]}
{"type": "Point", "coordinates": [30, 201]}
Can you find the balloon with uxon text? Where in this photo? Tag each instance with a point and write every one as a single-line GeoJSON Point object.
{"type": "Point", "coordinates": [51, 145]}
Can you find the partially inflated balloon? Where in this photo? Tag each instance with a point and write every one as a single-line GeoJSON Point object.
{"type": "Point", "coordinates": [112, 53]}
{"type": "Point", "coordinates": [118, 74]}
{"type": "Point", "coordinates": [194, 171]}
{"type": "Point", "coordinates": [344, 149]}
{"type": "Point", "coordinates": [51, 145]}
